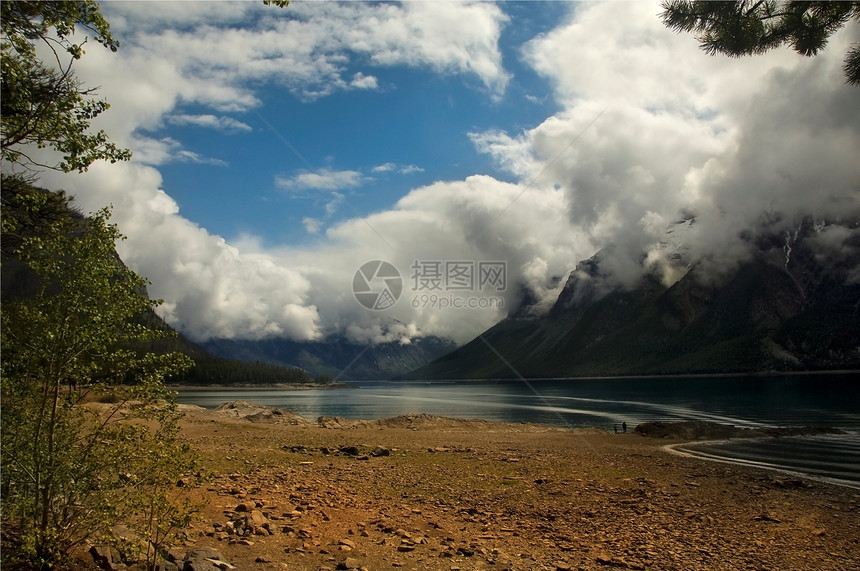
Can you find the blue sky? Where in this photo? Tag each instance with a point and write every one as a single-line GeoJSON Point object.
{"type": "Point", "coordinates": [529, 133]}
{"type": "Point", "coordinates": [410, 131]}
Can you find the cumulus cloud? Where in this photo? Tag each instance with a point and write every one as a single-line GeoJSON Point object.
{"type": "Point", "coordinates": [211, 288]}
{"type": "Point", "coordinates": [361, 81]}
{"type": "Point", "coordinates": [442, 222]}
{"type": "Point", "coordinates": [192, 55]}
{"type": "Point", "coordinates": [669, 137]}
{"type": "Point", "coordinates": [649, 128]}
{"type": "Point", "coordinates": [309, 46]}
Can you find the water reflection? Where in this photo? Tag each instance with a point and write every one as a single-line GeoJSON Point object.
{"type": "Point", "coordinates": [743, 401]}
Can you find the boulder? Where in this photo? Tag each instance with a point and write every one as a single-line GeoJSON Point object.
{"type": "Point", "coordinates": [380, 451]}
{"type": "Point", "coordinates": [205, 559]}
{"type": "Point", "coordinates": [106, 557]}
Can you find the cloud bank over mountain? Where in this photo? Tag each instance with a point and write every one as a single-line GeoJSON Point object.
{"type": "Point", "coordinates": [648, 129]}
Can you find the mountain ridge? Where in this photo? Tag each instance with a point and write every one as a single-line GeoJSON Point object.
{"type": "Point", "coordinates": [784, 309]}
{"type": "Point", "coordinates": [336, 356]}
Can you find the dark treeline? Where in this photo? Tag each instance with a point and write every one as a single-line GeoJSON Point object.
{"type": "Point", "coordinates": [216, 371]}
{"type": "Point", "coordinates": [211, 370]}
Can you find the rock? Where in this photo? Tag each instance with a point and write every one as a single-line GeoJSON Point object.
{"type": "Point", "coordinates": [256, 518]}
{"type": "Point", "coordinates": [350, 563]}
{"type": "Point", "coordinates": [767, 517]}
{"type": "Point", "coordinates": [254, 412]}
{"type": "Point", "coordinates": [790, 483]}
{"type": "Point", "coordinates": [205, 559]}
{"type": "Point", "coordinates": [347, 543]}
{"type": "Point", "coordinates": [350, 450]}
{"type": "Point", "coordinates": [106, 557]}
{"type": "Point", "coordinates": [176, 556]}
{"type": "Point", "coordinates": [380, 451]}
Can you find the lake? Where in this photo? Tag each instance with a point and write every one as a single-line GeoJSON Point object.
{"type": "Point", "coordinates": [746, 401]}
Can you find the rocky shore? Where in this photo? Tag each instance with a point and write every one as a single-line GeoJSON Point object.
{"type": "Point", "coordinates": [422, 492]}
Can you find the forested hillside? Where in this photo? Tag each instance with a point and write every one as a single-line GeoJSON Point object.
{"type": "Point", "coordinates": [24, 220]}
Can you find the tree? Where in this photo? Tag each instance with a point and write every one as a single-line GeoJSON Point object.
{"type": "Point", "coordinates": [89, 433]}
{"type": "Point", "coordinates": [43, 104]}
{"type": "Point", "coordinates": [748, 27]}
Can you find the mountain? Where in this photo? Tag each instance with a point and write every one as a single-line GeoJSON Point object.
{"type": "Point", "coordinates": [29, 211]}
{"type": "Point", "coordinates": [336, 356]}
{"type": "Point", "coordinates": [786, 308]}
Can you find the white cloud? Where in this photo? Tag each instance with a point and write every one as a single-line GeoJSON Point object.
{"type": "Point", "coordinates": [449, 36]}
{"type": "Point", "coordinates": [400, 169]}
{"type": "Point", "coordinates": [308, 46]}
{"type": "Point", "coordinates": [221, 123]}
{"type": "Point", "coordinates": [322, 179]}
{"type": "Point", "coordinates": [312, 225]}
{"type": "Point", "coordinates": [361, 81]}
{"type": "Point", "coordinates": [210, 288]}
{"type": "Point", "coordinates": [446, 221]}
{"type": "Point", "coordinates": [167, 150]}
{"type": "Point", "coordinates": [669, 134]}
{"type": "Point", "coordinates": [410, 169]}
{"type": "Point", "coordinates": [676, 129]}
{"type": "Point", "coordinates": [191, 54]}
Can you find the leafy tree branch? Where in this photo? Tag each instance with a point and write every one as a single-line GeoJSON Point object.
{"type": "Point", "coordinates": [43, 104]}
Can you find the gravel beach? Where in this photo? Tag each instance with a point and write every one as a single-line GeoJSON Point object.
{"type": "Point", "coordinates": [423, 492]}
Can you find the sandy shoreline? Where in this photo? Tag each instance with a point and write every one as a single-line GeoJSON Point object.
{"type": "Point", "coordinates": [421, 492]}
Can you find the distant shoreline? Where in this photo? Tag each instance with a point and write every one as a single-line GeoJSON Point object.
{"type": "Point", "coordinates": [658, 376]}
{"type": "Point", "coordinates": [346, 385]}
{"type": "Point", "coordinates": [276, 387]}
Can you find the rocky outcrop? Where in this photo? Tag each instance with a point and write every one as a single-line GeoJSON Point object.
{"type": "Point", "coordinates": [254, 412]}
{"type": "Point", "coordinates": [198, 559]}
